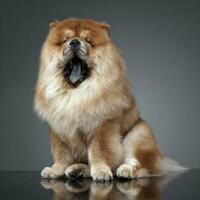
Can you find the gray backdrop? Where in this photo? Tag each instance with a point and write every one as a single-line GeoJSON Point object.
{"type": "Point", "coordinates": [160, 43]}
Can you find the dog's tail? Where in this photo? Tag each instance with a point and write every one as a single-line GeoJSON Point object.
{"type": "Point", "coordinates": [170, 165]}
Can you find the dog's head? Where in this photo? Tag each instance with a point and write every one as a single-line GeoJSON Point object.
{"type": "Point", "coordinates": [73, 45]}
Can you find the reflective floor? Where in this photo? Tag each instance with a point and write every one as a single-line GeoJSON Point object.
{"type": "Point", "coordinates": [28, 185]}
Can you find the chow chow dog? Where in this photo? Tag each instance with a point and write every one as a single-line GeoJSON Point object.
{"type": "Point", "coordinates": [83, 94]}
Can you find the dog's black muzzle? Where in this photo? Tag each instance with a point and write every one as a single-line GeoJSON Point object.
{"type": "Point", "coordinates": [75, 45]}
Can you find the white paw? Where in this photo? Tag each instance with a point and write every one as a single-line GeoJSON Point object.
{"type": "Point", "coordinates": [125, 171]}
{"type": "Point", "coordinates": [131, 171]}
{"type": "Point", "coordinates": [102, 175]}
{"type": "Point", "coordinates": [52, 172]}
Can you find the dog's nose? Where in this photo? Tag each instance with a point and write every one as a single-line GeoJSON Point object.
{"type": "Point", "coordinates": [74, 45]}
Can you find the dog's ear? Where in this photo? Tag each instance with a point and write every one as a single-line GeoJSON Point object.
{"type": "Point", "coordinates": [105, 26]}
{"type": "Point", "coordinates": [53, 24]}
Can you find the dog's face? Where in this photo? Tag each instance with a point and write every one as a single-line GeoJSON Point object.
{"type": "Point", "coordinates": [72, 45]}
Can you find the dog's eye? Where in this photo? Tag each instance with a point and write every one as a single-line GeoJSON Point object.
{"type": "Point", "coordinates": [65, 40]}
{"type": "Point", "coordinates": [87, 40]}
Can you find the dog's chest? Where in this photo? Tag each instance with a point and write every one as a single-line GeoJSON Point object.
{"type": "Point", "coordinates": [71, 113]}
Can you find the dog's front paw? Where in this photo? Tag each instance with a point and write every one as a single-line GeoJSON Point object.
{"type": "Point", "coordinates": [54, 171]}
{"type": "Point", "coordinates": [101, 175]}
{"type": "Point", "coordinates": [78, 171]}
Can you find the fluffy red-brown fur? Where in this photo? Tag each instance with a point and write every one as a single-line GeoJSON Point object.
{"type": "Point", "coordinates": [97, 123]}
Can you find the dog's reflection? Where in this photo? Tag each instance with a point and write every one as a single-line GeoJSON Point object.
{"type": "Point", "coordinates": [83, 189]}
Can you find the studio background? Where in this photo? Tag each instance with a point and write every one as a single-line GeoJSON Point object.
{"type": "Point", "coordinates": [160, 41]}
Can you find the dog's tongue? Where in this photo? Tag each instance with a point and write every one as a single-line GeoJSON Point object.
{"type": "Point", "coordinates": [76, 71]}
{"type": "Point", "coordinates": [75, 75]}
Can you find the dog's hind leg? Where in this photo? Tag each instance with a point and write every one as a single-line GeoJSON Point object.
{"type": "Point", "coordinates": [141, 153]}
{"type": "Point", "coordinates": [61, 156]}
